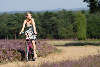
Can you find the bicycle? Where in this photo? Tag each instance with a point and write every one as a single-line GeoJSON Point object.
{"type": "Point", "coordinates": [29, 52]}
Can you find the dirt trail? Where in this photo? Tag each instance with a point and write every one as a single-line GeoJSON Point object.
{"type": "Point", "coordinates": [69, 52]}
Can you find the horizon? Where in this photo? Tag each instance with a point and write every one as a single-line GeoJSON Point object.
{"type": "Point", "coordinates": [57, 9]}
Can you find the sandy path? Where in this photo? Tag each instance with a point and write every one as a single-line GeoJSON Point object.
{"type": "Point", "coordinates": [69, 52]}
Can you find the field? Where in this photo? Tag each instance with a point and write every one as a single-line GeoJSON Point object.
{"type": "Point", "coordinates": [69, 51]}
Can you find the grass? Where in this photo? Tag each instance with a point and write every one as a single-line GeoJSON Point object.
{"type": "Point", "coordinates": [67, 53]}
{"type": "Point", "coordinates": [90, 61]}
{"type": "Point", "coordinates": [60, 42]}
{"type": "Point", "coordinates": [70, 54]}
{"type": "Point", "coordinates": [74, 43]}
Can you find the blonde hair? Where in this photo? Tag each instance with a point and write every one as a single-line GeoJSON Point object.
{"type": "Point", "coordinates": [27, 14]}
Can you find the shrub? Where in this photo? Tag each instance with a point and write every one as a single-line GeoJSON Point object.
{"type": "Point", "coordinates": [14, 50]}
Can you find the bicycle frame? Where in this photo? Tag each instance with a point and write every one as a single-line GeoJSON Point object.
{"type": "Point", "coordinates": [29, 53]}
{"type": "Point", "coordinates": [29, 50]}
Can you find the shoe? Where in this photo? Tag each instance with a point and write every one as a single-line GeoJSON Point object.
{"type": "Point", "coordinates": [33, 59]}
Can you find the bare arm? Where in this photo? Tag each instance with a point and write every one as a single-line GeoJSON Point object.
{"type": "Point", "coordinates": [23, 26]}
{"type": "Point", "coordinates": [34, 27]}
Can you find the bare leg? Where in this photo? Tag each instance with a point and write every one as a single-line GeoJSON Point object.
{"type": "Point", "coordinates": [34, 47]}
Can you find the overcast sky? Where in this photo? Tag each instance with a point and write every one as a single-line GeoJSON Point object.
{"type": "Point", "coordinates": [38, 5]}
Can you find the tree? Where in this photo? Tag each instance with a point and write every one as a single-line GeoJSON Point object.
{"type": "Point", "coordinates": [80, 21]}
{"type": "Point", "coordinates": [93, 26]}
{"type": "Point", "coordinates": [94, 5]}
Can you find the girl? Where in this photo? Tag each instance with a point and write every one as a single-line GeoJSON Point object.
{"type": "Point", "coordinates": [29, 24]}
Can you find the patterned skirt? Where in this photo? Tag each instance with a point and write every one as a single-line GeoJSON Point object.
{"type": "Point", "coordinates": [29, 33]}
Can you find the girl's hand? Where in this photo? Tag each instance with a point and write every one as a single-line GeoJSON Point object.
{"type": "Point", "coordinates": [20, 33]}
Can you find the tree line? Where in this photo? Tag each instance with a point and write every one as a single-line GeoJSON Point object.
{"type": "Point", "coordinates": [61, 24]}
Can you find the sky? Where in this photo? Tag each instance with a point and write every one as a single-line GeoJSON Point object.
{"type": "Point", "coordinates": [39, 5]}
